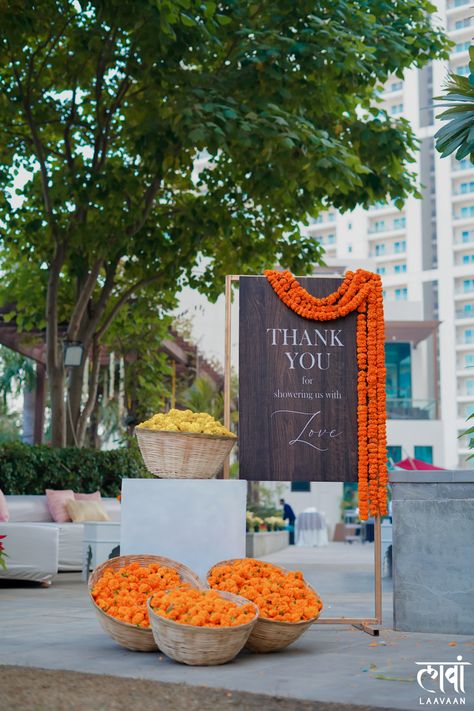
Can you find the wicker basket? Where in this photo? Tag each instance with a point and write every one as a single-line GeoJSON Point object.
{"type": "Point", "coordinates": [135, 638]}
{"type": "Point", "coordinates": [273, 635]}
{"type": "Point", "coordinates": [183, 455]}
{"type": "Point", "coordinates": [201, 646]}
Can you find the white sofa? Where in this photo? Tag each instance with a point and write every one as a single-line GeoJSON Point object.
{"type": "Point", "coordinates": [37, 547]}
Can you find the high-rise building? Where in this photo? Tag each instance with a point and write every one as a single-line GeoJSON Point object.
{"type": "Point", "coordinates": [425, 255]}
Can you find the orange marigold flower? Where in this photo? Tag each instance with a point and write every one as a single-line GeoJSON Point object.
{"type": "Point", "coordinates": [123, 593]}
{"type": "Point", "coordinates": [280, 595]}
{"type": "Point", "coordinates": [201, 608]}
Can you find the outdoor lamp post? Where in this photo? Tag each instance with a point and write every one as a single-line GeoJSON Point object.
{"type": "Point", "coordinates": [73, 353]}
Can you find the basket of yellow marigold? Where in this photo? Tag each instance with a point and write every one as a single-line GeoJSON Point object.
{"type": "Point", "coordinates": [287, 604]}
{"type": "Point", "coordinates": [120, 587]}
{"type": "Point", "coordinates": [201, 627]}
{"type": "Point", "coordinates": [182, 444]}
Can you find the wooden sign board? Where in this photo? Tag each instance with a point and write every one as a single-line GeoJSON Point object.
{"type": "Point", "coordinates": [297, 388]}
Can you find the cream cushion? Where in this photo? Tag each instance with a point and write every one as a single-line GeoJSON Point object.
{"type": "Point", "coordinates": [81, 511]}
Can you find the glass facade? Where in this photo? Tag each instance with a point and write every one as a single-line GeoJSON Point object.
{"type": "Point", "coordinates": [398, 364]}
{"type": "Point", "coordinates": [394, 453]}
{"type": "Point", "coordinates": [424, 452]}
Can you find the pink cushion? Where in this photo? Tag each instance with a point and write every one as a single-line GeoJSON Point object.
{"type": "Point", "coordinates": [88, 497]}
{"type": "Point", "coordinates": [57, 500]}
{"type": "Point", "coordinates": [4, 515]}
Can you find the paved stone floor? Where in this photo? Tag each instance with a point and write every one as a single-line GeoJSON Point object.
{"type": "Point", "coordinates": [56, 628]}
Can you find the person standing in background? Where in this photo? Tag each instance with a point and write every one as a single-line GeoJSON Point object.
{"type": "Point", "coordinates": [289, 515]}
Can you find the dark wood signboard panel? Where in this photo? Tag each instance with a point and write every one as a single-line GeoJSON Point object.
{"type": "Point", "coordinates": [297, 388]}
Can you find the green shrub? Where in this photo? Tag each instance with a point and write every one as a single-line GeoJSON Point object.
{"type": "Point", "coordinates": [26, 469]}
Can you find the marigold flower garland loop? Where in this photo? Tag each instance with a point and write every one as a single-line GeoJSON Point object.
{"type": "Point", "coordinates": [360, 291]}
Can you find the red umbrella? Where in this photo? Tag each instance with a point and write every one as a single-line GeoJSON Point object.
{"type": "Point", "coordinates": [415, 464]}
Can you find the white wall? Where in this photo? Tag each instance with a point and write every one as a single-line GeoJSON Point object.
{"type": "Point", "coordinates": [409, 433]}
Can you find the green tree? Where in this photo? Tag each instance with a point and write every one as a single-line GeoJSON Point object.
{"type": "Point", "coordinates": [107, 104]}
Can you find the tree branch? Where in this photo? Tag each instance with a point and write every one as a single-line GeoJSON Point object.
{"type": "Point", "coordinates": [127, 294]}
{"type": "Point", "coordinates": [93, 384]}
{"type": "Point", "coordinates": [67, 131]}
{"type": "Point", "coordinates": [148, 201]}
{"type": "Point", "coordinates": [84, 296]}
{"type": "Point", "coordinates": [52, 354]}
{"type": "Point", "coordinates": [88, 327]}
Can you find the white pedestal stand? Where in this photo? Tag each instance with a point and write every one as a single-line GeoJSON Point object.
{"type": "Point", "coordinates": [195, 521]}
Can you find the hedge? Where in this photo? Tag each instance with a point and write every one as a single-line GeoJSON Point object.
{"type": "Point", "coordinates": [26, 469]}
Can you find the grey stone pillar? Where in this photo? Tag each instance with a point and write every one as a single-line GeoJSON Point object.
{"type": "Point", "coordinates": [433, 551]}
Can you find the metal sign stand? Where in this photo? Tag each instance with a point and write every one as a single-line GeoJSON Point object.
{"type": "Point", "coordinates": [369, 625]}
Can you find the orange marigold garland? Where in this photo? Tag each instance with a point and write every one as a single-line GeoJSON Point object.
{"type": "Point", "coordinates": [359, 291]}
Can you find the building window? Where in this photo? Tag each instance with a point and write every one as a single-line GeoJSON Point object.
{"type": "Point", "coordinates": [464, 72]}
{"type": "Point", "coordinates": [467, 211]}
{"type": "Point", "coordinates": [467, 187]}
{"type": "Point", "coordinates": [394, 452]}
{"type": "Point", "coordinates": [469, 410]}
{"type": "Point", "coordinates": [470, 387]}
{"type": "Point", "coordinates": [380, 270]}
{"type": "Point", "coordinates": [468, 284]}
{"type": "Point", "coordinates": [300, 486]}
{"type": "Point", "coordinates": [400, 268]}
{"type": "Point", "coordinates": [463, 164]}
{"type": "Point", "coordinates": [424, 452]}
{"type": "Point", "coordinates": [379, 225]}
{"type": "Point", "coordinates": [379, 249]}
{"type": "Point", "coordinates": [469, 360]}
{"type": "Point", "coordinates": [465, 236]}
{"type": "Point", "coordinates": [398, 367]}
{"type": "Point", "coordinates": [331, 239]}
{"type": "Point", "coordinates": [465, 22]}
{"type": "Point", "coordinates": [399, 223]}
{"type": "Point", "coordinates": [331, 217]}
{"type": "Point", "coordinates": [467, 258]}
{"type": "Point", "coordinates": [469, 335]}
{"type": "Point", "coordinates": [396, 109]}
{"type": "Point", "coordinates": [349, 248]}
{"type": "Point", "coordinates": [462, 47]}
{"type": "Point", "coordinates": [400, 246]}
{"type": "Point", "coordinates": [396, 86]}
{"type": "Point", "coordinates": [401, 294]}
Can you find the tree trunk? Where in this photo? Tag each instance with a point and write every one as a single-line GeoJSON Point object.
{"type": "Point", "coordinates": [58, 408]}
{"type": "Point", "coordinates": [74, 396]}
{"type": "Point", "coordinates": [91, 400]}
{"type": "Point", "coordinates": [54, 356]}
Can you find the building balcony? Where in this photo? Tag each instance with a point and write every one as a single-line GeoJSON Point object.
{"type": "Point", "coordinates": [459, 245]}
{"type": "Point", "coordinates": [462, 346]}
{"type": "Point", "coordinates": [409, 409]}
{"type": "Point", "coordinates": [464, 315]}
{"type": "Point", "coordinates": [457, 6]}
{"type": "Point", "coordinates": [386, 232]}
{"type": "Point", "coordinates": [461, 196]}
{"type": "Point", "coordinates": [388, 257]}
{"type": "Point", "coordinates": [463, 294]}
{"type": "Point", "coordinates": [465, 397]}
{"type": "Point", "coordinates": [463, 220]}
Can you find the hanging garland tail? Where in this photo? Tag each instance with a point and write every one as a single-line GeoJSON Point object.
{"type": "Point", "coordinates": [360, 292]}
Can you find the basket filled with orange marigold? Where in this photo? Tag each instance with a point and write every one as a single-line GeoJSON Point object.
{"type": "Point", "coordinates": [287, 604]}
{"type": "Point", "coordinates": [119, 590]}
{"type": "Point", "coordinates": [201, 627]}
